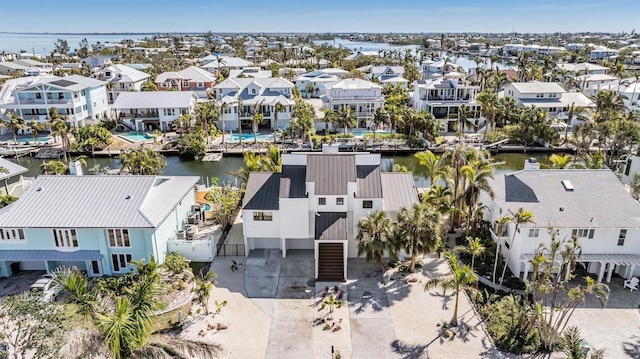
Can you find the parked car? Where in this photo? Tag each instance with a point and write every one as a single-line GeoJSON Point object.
{"type": "Point", "coordinates": [47, 287]}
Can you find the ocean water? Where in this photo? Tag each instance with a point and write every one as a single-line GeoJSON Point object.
{"type": "Point", "coordinates": [45, 43]}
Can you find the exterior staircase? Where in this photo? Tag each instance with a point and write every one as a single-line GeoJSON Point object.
{"type": "Point", "coordinates": [330, 262]}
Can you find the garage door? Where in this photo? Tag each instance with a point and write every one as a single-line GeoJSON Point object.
{"type": "Point", "coordinates": [32, 265]}
{"type": "Point", "coordinates": [330, 262]}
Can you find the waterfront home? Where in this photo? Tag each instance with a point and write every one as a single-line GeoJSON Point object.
{"type": "Point", "coordinates": [542, 51]}
{"type": "Point", "coordinates": [96, 223]}
{"type": "Point", "coordinates": [12, 68]}
{"type": "Point", "coordinates": [257, 95]}
{"type": "Point", "coordinates": [12, 182]}
{"type": "Point", "coordinates": [629, 89]}
{"type": "Point", "coordinates": [443, 97]}
{"type": "Point", "coordinates": [316, 203]}
{"type": "Point", "coordinates": [599, 53]}
{"type": "Point", "coordinates": [148, 111]}
{"type": "Point", "coordinates": [314, 83]}
{"type": "Point", "coordinates": [592, 205]}
{"type": "Point", "coordinates": [550, 97]}
{"type": "Point", "coordinates": [362, 96]}
{"type": "Point", "coordinates": [583, 68]}
{"type": "Point", "coordinates": [192, 79]}
{"type": "Point", "coordinates": [80, 99]}
{"type": "Point", "coordinates": [122, 78]}
{"type": "Point", "coordinates": [591, 84]}
{"type": "Point", "coordinates": [97, 62]}
{"type": "Point", "coordinates": [213, 63]}
{"type": "Point", "coordinates": [254, 72]}
{"type": "Point", "coordinates": [434, 69]}
{"type": "Point", "coordinates": [45, 66]}
{"type": "Point", "coordinates": [386, 75]}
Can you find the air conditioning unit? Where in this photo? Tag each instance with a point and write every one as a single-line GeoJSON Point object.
{"type": "Point", "coordinates": [181, 235]}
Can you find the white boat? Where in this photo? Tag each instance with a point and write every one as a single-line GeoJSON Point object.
{"type": "Point", "coordinates": [212, 157]}
{"type": "Point", "coordinates": [15, 151]}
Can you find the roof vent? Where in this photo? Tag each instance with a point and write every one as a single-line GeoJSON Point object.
{"type": "Point", "coordinates": [127, 197]}
{"type": "Point", "coordinates": [561, 208]}
{"type": "Point", "coordinates": [39, 189]}
{"type": "Point", "coordinates": [568, 186]}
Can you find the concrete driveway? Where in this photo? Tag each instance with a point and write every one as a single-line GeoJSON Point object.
{"type": "Point", "coordinates": [19, 283]}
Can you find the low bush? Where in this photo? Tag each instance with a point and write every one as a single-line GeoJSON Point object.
{"type": "Point", "coordinates": [511, 324]}
{"type": "Point", "coordinates": [176, 263]}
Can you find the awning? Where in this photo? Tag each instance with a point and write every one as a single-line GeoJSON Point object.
{"type": "Point", "coordinates": [49, 255]}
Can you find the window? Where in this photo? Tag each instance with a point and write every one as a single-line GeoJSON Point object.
{"type": "Point", "coordinates": [262, 216]}
{"type": "Point", "coordinates": [539, 95]}
{"type": "Point", "coordinates": [107, 73]}
{"type": "Point", "coordinates": [185, 83]}
{"type": "Point", "coordinates": [65, 238]}
{"type": "Point", "coordinates": [367, 204]}
{"type": "Point", "coordinates": [164, 84]}
{"type": "Point", "coordinates": [339, 201]}
{"type": "Point", "coordinates": [622, 237]}
{"type": "Point", "coordinates": [322, 201]}
{"type": "Point", "coordinates": [12, 234]}
{"type": "Point", "coordinates": [38, 95]}
{"type": "Point", "coordinates": [60, 95]}
{"type": "Point", "coordinates": [253, 91]}
{"type": "Point", "coordinates": [120, 261]}
{"type": "Point", "coordinates": [534, 232]}
{"type": "Point", "coordinates": [118, 238]}
{"type": "Point", "coordinates": [95, 267]}
{"type": "Point", "coordinates": [583, 233]}
{"type": "Point", "coordinates": [200, 84]}
{"type": "Point", "coordinates": [49, 96]}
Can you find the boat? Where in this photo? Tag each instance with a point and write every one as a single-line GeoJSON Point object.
{"type": "Point", "coordinates": [212, 157]}
{"type": "Point", "coordinates": [15, 151]}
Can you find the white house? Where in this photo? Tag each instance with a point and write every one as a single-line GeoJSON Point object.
{"type": "Point", "coordinates": [254, 72]}
{"type": "Point", "coordinates": [148, 111]}
{"type": "Point", "coordinates": [387, 75]}
{"type": "Point", "coordinates": [316, 203]}
{"type": "Point", "coordinates": [96, 223]}
{"type": "Point", "coordinates": [432, 69]}
{"type": "Point", "coordinates": [364, 98]}
{"type": "Point", "coordinates": [591, 84]}
{"type": "Point", "coordinates": [214, 63]}
{"type": "Point", "coordinates": [550, 97]}
{"type": "Point", "coordinates": [590, 204]}
{"type": "Point", "coordinates": [443, 96]}
{"type": "Point", "coordinates": [602, 53]}
{"type": "Point", "coordinates": [314, 83]}
{"type": "Point", "coordinates": [583, 68]}
{"type": "Point", "coordinates": [12, 182]}
{"type": "Point", "coordinates": [80, 99]}
{"type": "Point", "coordinates": [123, 78]}
{"type": "Point", "coordinates": [259, 94]}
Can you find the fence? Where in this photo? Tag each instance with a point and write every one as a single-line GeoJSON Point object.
{"type": "Point", "coordinates": [230, 250]}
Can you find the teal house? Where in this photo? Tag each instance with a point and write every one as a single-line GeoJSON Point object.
{"type": "Point", "coordinates": [96, 223]}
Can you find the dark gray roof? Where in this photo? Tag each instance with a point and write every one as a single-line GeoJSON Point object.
{"type": "Point", "coordinates": [331, 226]}
{"type": "Point", "coordinates": [517, 191]}
{"type": "Point", "coordinates": [49, 255]}
{"type": "Point", "coordinates": [398, 190]}
{"type": "Point", "coordinates": [292, 183]}
{"type": "Point", "coordinates": [598, 200]}
{"type": "Point", "coordinates": [262, 191]}
{"type": "Point", "coordinates": [13, 168]}
{"type": "Point", "coordinates": [331, 173]}
{"type": "Point", "coordinates": [369, 183]}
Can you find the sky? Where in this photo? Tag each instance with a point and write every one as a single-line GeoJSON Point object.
{"type": "Point", "coordinates": [319, 16]}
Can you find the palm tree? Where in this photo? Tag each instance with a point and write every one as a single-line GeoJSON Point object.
{"type": "Point", "coordinates": [461, 277]}
{"type": "Point", "coordinates": [276, 110]}
{"type": "Point", "coordinates": [346, 118]}
{"type": "Point", "coordinates": [148, 85]}
{"type": "Point", "coordinates": [459, 157]}
{"type": "Point", "coordinates": [240, 109]}
{"type": "Point", "coordinates": [579, 112]}
{"type": "Point", "coordinates": [204, 285]}
{"type": "Point", "coordinates": [380, 117]}
{"type": "Point", "coordinates": [498, 79]}
{"type": "Point", "coordinates": [119, 330]}
{"type": "Point", "coordinates": [374, 237]}
{"type": "Point", "coordinates": [477, 177]}
{"type": "Point", "coordinates": [35, 128]}
{"type": "Point", "coordinates": [560, 161]}
{"type": "Point", "coordinates": [16, 123]}
{"type": "Point", "coordinates": [418, 230]}
{"type": "Point", "coordinates": [434, 166]}
{"type": "Point", "coordinates": [330, 117]}
{"type": "Point", "coordinates": [521, 216]}
{"type": "Point", "coordinates": [256, 119]}
{"type": "Point", "coordinates": [488, 100]}
{"type": "Point", "coordinates": [474, 247]}
{"type": "Point", "coordinates": [501, 224]}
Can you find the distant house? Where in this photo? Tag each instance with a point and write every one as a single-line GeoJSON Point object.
{"type": "Point", "coordinates": [123, 78]}
{"type": "Point", "coordinates": [433, 69]}
{"type": "Point", "coordinates": [443, 97]}
{"type": "Point", "coordinates": [550, 97]}
{"type": "Point", "coordinates": [599, 53]}
{"type": "Point", "coordinates": [590, 204]}
{"type": "Point", "coordinates": [363, 97]}
{"type": "Point", "coordinates": [45, 67]}
{"type": "Point", "coordinates": [148, 111]}
{"type": "Point", "coordinates": [98, 61]}
{"type": "Point", "coordinates": [80, 99]}
{"type": "Point", "coordinates": [260, 94]}
{"type": "Point", "coordinates": [387, 75]}
{"type": "Point", "coordinates": [214, 63]}
{"type": "Point", "coordinates": [316, 203]}
{"type": "Point", "coordinates": [314, 83]}
{"type": "Point", "coordinates": [96, 223]}
{"type": "Point", "coordinates": [254, 72]}
{"type": "Point", "coordinates": [12, 181]}
{"type": "Point", "coordinates": [11, 68]}
{"type": "Point", "coordinates": [192, 79]}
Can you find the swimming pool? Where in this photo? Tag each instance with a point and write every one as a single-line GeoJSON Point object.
{"type": "Point", "coordinates": [207, 207]}
{"type": "Point", "coordinates": [137, 136]}
{"type": "Point", "coordinates": [361, 133]}
{"type": "Point", "coordinates": [234, 137]}
{"type": "Point", "coordinates": [30, 139]}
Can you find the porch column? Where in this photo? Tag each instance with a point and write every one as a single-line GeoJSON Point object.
{"type": "Point", "coordinates": [316, 256]}
{"type": "Point", "coordinates": [344, 257]}
{"type": "Point", "coordinates": [526, 270]}
{"type": "Point", "coordinates": [601, 272]}
{"type": "Point", "coordinates": [611, 267]}
{"type": "Point", "coordinates": [283, 247]}
{"type": "Point", "coordinates": [631, 270]}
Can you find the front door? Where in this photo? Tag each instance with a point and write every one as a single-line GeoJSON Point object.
{"type": "Point", "coordinates": [95, 268]}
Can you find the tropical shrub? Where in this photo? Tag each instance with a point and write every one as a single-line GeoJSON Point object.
{"type": "Point", "coordinates": [511, 324]}
{"type": "Point", "coordinates": [176, 263]}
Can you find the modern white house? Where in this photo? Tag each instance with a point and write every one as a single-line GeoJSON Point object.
{"type": "Point", "coordinates": [362, 96]}
{"type": "Point", "coordinates": [213, 63]}
{"type": "Point", "coordinates": [80, 99]}
{"type": "Point", "coordinates": [316, 203]}
{"type": "Point", "coordinates": [599, 53]}
{"type": "Point", "coordinates": [314, 84]}
{"type": "Point", "coordinates": [583, 68]}
{"type": "Point", "coordinates": [96, 223]}
{"type": "Point", "coordinates": [148, 111]}
{"type": "Point", "coordinates": [433, 69]}
{"type": "Point", "coordinates": [254, 72]}
{"type": "Point", "coordinates": [539, 50]}
{"type": "Point", "coordinates": [387, 75]}
{"type": "Point", "coordinates": [550, 97]}
{"type": "Point", "coordinates": [591, 84]}
{"type": "Point", "coordinates": [256, 94]}
{"type": "Point", "coordinates": [592, 205]}
{"type": "Point", "coordinates": [443, 96]}
{"type": "Point", "coordinates": [122, 78]}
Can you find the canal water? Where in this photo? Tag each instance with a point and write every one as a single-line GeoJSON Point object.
{"type": "Point", "coordinates": [505, 162]}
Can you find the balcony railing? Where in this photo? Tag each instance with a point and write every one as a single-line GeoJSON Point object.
{"type": "Point", "coordinates": [357, 98]}
{"type": "Point", "coordinates": [29, 101]}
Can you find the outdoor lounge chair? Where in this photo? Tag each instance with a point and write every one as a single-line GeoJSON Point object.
{"type": "Point", "coordinates": [632, 283]}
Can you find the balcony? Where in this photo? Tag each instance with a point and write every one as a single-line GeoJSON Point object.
{"type": "Point", "coordinates": [357, 98]}
{"type": "Point", "coordinates": [30, 101]}
{"type": "Point", "coordinates": [153, 115]}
